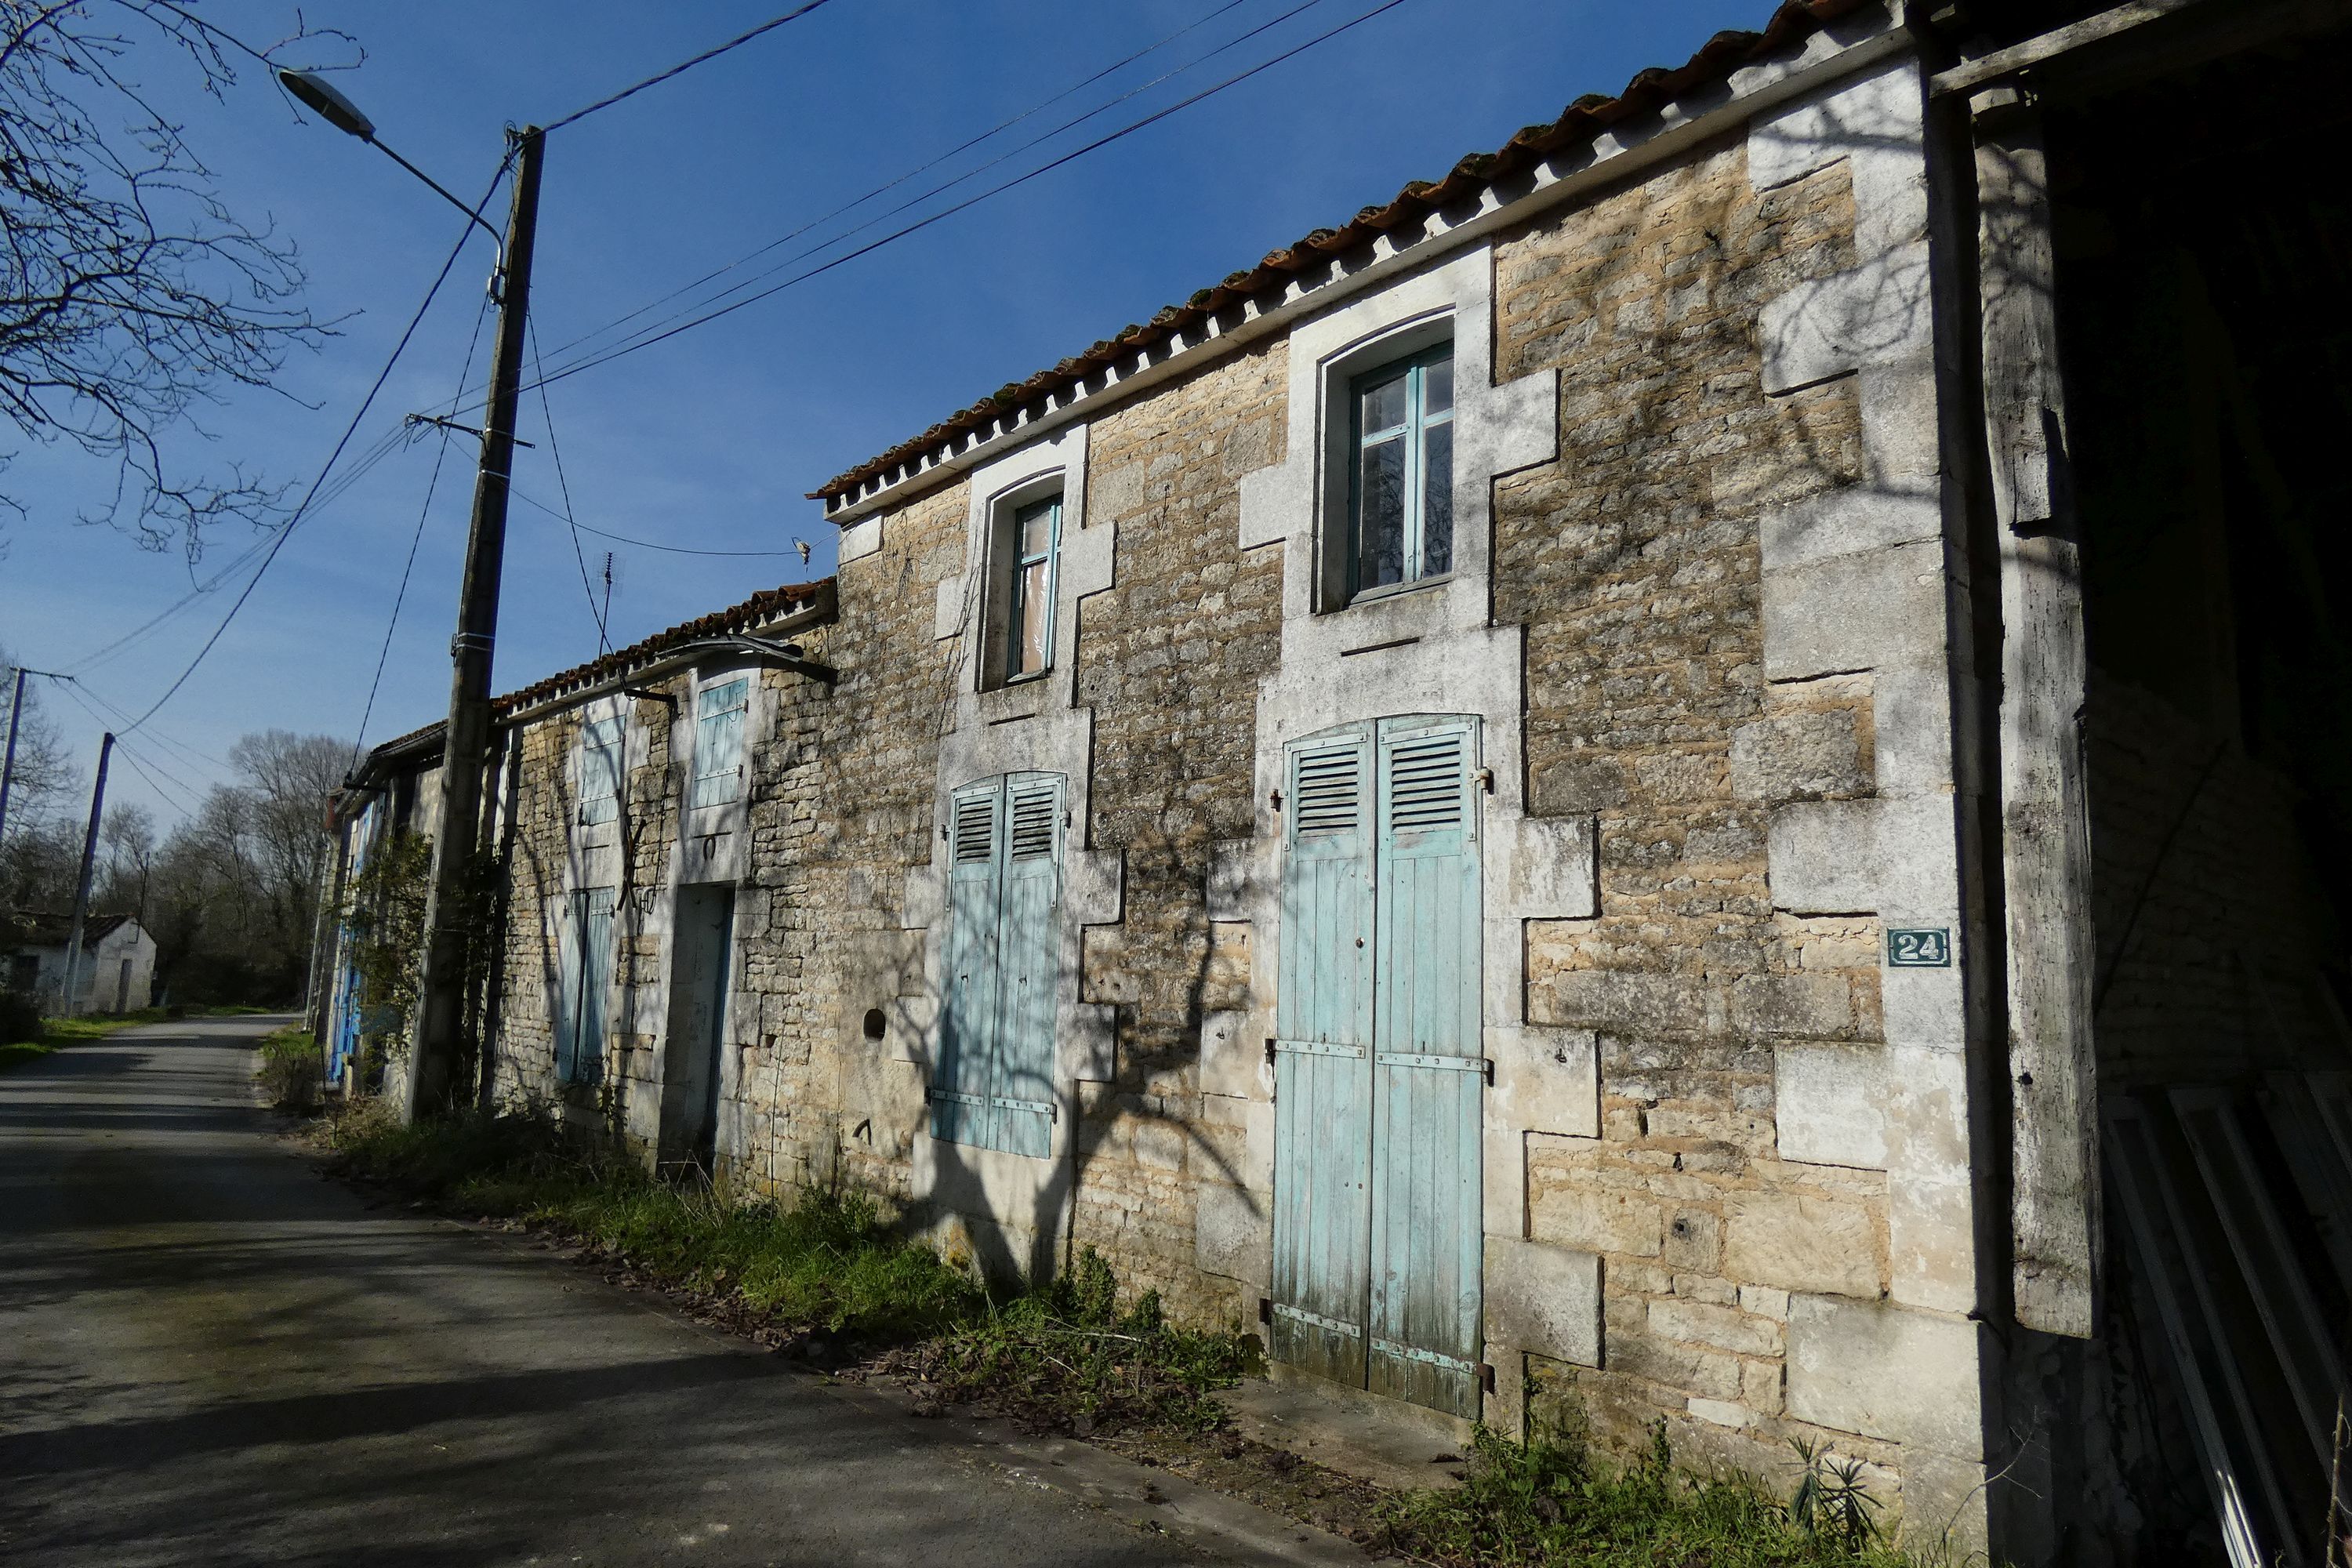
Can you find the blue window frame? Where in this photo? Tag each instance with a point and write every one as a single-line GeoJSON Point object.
{"type": "Point", "coordinates": [1401, 484]}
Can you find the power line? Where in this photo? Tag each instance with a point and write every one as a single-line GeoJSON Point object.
{"type": "Point", "coordinates": [286, 531]}
{"type": "Point", "coordinates": [605, 358]}
{"type": "Point", "coordinates": [179, 802]}
{"type": "Point", "coordinates": [547, 413]}
{"type": "Point", "coordinates": [963, 147]}
{"type": "Point", "coordinates": [683, 66]}
{"type": "Point", "coordinates": [201, 758]}
{"type": "Point", "coordinates": [415, 540]}
{"type": "Point", "coordinates": [644, 544]}
{"type": "Point", "coordinates": [382, 449]}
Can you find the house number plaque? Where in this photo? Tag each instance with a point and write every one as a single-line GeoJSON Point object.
{"type": "Point", "coordinates": [1919, 947]}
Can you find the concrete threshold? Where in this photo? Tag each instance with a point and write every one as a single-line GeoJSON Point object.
{"type": "Point", "coordinates": [1385, 1441]}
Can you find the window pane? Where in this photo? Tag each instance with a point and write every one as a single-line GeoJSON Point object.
{"type": "Point", "coordinates": [1384, 405]}
{"type": "Point", "coordinates": [1037, 613]}
{"type": "Point", "coordinates": [1437, 386]}
{"type": "Point", "coordinates": [1437, 501]}
{"type": "Point", "coordinates": [1381, 499]}
{"type": "Point", "coordinates": [1037, 530]}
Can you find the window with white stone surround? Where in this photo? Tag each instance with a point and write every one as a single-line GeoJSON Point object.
{"type": "Point", "coordinates": [1386, 511]}
{"type": "Point", "coordinates": [1400, 472]}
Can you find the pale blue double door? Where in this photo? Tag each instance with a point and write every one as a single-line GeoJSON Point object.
{"type": "Point", "coordinates": [994, 1084]}
{"type": "Point", "coordinates": [1380, 1068]}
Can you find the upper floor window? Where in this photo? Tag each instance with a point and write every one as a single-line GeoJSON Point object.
{"type": "Point", "coordinates": [719, 713]}
{"type": "Point", "coordinates": [1022, 626]}
{"type": "Point", "coordinates": [1401, 488]}
{"type": "Point", "coordinates": [600, 769]}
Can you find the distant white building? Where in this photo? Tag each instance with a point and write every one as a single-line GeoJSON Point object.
{"type": "Point", "coordinates": [117, 973]}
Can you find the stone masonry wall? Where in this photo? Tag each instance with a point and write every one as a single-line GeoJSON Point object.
{"type": "Point", "coordinates": [1170, 658]}
{"type": "Point", "coordinates": [1635, 564]}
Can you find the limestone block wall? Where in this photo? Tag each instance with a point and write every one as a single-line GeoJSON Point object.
{"type": "Point", "coordinates": [1168, 661]}
{"type": "Point", "coordinates": [1702, 610]}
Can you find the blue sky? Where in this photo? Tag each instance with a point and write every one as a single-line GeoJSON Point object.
{"type": "Point", "coordinates": [708, 441]}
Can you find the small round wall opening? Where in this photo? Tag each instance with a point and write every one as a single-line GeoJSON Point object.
{"type": "Point", "coordinates": [876, 1025]}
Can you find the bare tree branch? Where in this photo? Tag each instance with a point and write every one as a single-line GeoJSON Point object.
{"type": "Point", "coordinates": [128, 292]}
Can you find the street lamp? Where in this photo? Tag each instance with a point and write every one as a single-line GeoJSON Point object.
{"type": "Point", "coordinates": [466, 739]}
{"type": "Point", "coordinates": [326, 100]}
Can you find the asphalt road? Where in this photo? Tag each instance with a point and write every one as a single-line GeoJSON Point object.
{"type": "Point", "coordinates": [210, 1354]}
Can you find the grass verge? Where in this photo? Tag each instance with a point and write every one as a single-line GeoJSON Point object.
{"type": "Point", "coordinates": [830, 1278]}
{"type": "Point", "coordinates": [1549, 1502]}
{"type": "Point", "coordinates": [827, 1274]}
{"type": "Point", "coordinates": [57, 1033]}
{"type": "Point", "coordinates": [287, 1063]}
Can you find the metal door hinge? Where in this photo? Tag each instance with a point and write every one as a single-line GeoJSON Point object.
{"type": "Point", "coordinates": [1269, 1050]}
{"type": "Point", "coordinates": [1266, 1308]}
{"type": "Point", "coordinates": [1490, 1072]}
{"type": "Point", "coordinates": [1485, 777]}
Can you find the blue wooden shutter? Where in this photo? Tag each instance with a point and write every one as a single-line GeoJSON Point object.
{"type": "Point", "coordinates": [960, 1086]}
{"type": "Point", "coordinates": [1029, 961]}
{"type": "Point", "coordinates": [719, 741]}
{"type": "Point", "coordinates": [568, 939]}
{"type": "Point", "coordinates": [595, 981]}
{"type": "Point", "coordinates": [600, 771]}
{"type": "Point", "coordinates": [1323, 1023]}
{"type": "Point", "coordinates": [1429, 1079]}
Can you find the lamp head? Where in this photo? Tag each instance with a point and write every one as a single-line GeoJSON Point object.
{"type": "Point", "coordinates": [323, 99]}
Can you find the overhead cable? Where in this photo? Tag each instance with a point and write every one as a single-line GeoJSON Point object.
{"type": "Point", "coordinates": [644, 544]}
{"type": "Point", "coordinates": [547, 413]}
{"type": "Point", "coordinates": [965, 146]}
{"type": "Point", "coordinates": [1129, 129]}
{"type": "Point", "coordinates": [400, 596]}
{"type": "Point", "coordinates": [287, 529]}
{"type": "Point", "coordinates": [739, 40]}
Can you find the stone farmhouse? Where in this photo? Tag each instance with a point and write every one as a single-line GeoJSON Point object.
{"type": "Point", "coordinates": [1700, 773]}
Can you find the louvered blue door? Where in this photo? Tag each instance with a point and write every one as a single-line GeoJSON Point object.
{"type": "Point", "coordinates": [1323, 1022]}
{"type": "Point", "coordinates": [959, 1085]}
{"type": "Point", "coordinates": [1429, 1071]}
{"type": "Point", "coordinates": [1029, 954]}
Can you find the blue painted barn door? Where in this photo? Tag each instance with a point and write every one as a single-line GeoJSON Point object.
{"type": "Point", "coordinates": [1028, 947]}
{"type": "Point", "coordinates": [960, 1086]}
{"type": "Point", "coordinates": [1379, 1063]}
{"type": "Point", "coordinates": [1429, 1074]}
{"type": "Point", "coordinates": [1323, 1023]}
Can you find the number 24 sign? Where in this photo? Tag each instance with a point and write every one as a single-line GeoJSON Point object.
{"type": "Point", "coordinates": [1919, 947]}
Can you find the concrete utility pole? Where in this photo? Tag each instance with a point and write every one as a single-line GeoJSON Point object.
{"type": "Point", "coordinates": [465, 740]}
{"type": "Point", "coordinates": [89, 861]}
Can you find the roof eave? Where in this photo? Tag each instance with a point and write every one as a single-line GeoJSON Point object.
{"type": "Point", "coordinates": [1840, 47]}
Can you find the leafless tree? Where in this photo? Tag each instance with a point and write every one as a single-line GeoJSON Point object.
{"type": "Point", "coordinates": [129, 293]}
{"type": "Point", "coordinates": [127, 835]}
{"type": "Point", "coordinates": [37, 844]}
{"type": "Point", "coordinates": [231, 889]}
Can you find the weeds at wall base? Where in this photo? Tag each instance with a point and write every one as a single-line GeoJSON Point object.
{"type": "Point", "coordinates": [829, 1278]}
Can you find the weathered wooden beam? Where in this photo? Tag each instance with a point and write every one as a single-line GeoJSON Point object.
{"type": "Point", "coordinates": [2045, 826]}
{"type": "Point", "coordinates": [2003, 64]}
